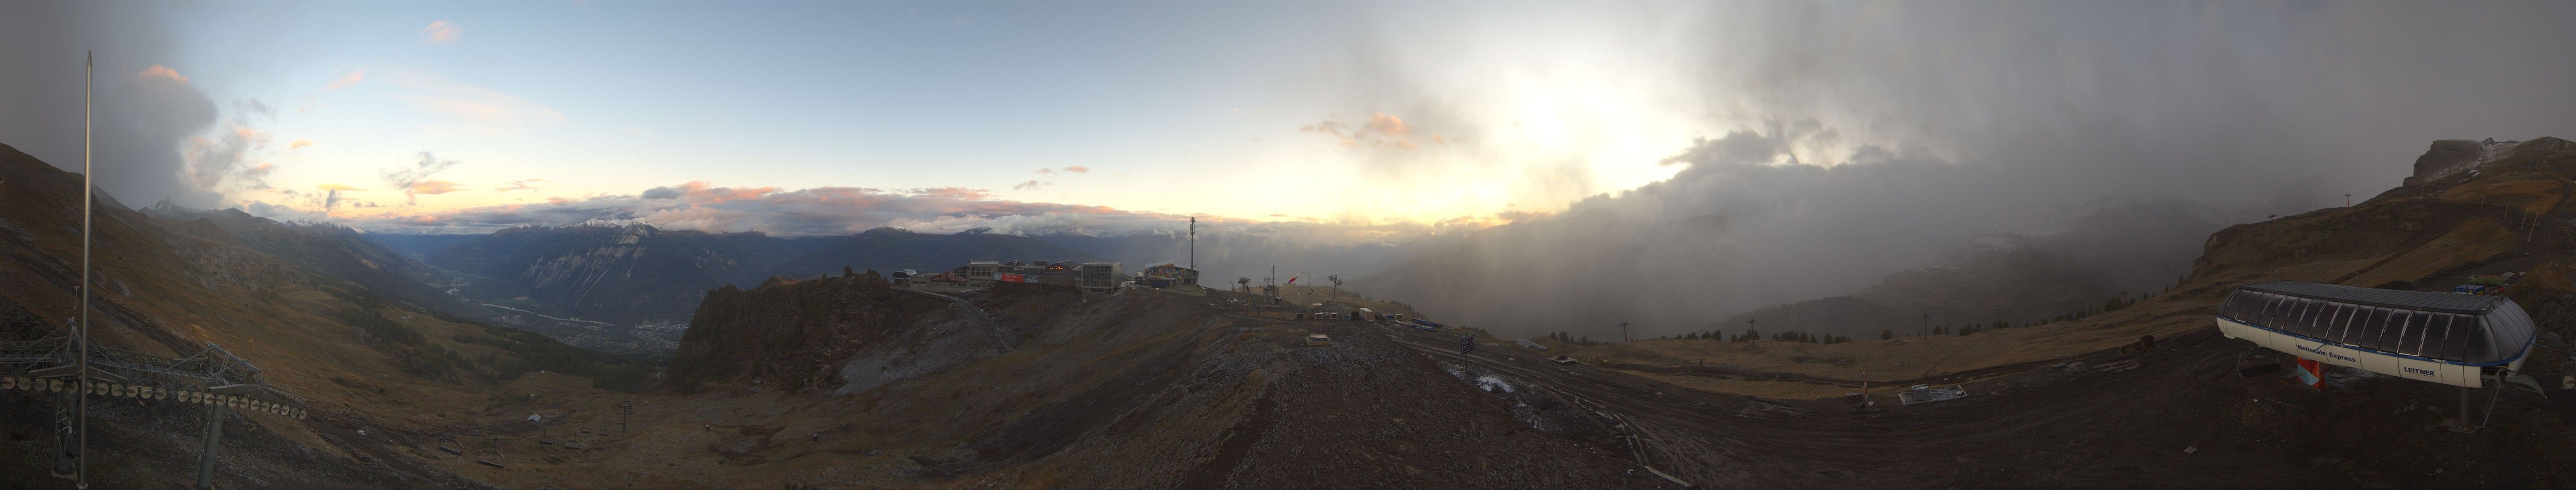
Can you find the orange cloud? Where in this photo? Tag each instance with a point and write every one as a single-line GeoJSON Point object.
{"type": "Point", "coordinates": [433, 187]}
{"type": "Point", "coordinates": [163, 72]}
{"type": "Point", "coordinates": [351, 78]}
{"type": "Point", "coordinates": [1381, 130]}
{"type": "Point", "coordinates": [298, 143]}
{"type": "Point", "coordinates": [442, 32]}
{"type": "Point", "coordinates": [337, 187]}
{"type": "Point", "coordinates": [1077, 169]}
{"type": "Point", "coordinates": [1388, 125]}
{"type": "Point", "coordinates": [517, 185]}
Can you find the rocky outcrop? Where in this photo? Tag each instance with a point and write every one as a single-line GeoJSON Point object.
{"type": "Point", "coordinates": [2443, 159]}
{"type": "Point", "coordinates": [2457, 157]}
{"type": "Point", "coordinates": [797, 334]}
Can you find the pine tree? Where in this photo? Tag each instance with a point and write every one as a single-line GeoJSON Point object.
{"type": "Point", "coordinates": [1886, 334]}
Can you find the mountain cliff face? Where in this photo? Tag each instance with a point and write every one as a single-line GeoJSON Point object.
{"type": "Point", "coordinates": [332, 250]}
{"type": "Point", "coordinates": [418, 247]}
{"type": "Point", "coordinates": [889, 249]}
{"type": "Point", "coordinates": [618, 273]}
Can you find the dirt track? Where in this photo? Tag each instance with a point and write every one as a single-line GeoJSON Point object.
{"type": "Point", "coordinates": [2095, 429]}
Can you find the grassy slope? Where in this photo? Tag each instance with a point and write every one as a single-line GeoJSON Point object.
{"type": "Point", "coordinates": [164, 293]}
{"type": "Point", "coordinates": [2509, 217]}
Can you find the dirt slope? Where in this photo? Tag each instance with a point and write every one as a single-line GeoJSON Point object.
{"type": "Point", "coordinates": [1138, 389]}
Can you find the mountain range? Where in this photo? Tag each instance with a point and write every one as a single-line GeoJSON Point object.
{"type": "Point", "coordinates": [2115, 253]}
{"type": "Point", "coordinates": [638, 276]}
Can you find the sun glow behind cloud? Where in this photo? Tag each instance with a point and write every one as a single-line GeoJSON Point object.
{"type": "Point", "coordinates": [1482, 118]}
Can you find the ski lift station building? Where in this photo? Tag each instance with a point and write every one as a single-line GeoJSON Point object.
{"type": "Point", "coordinates": [2455, 339]}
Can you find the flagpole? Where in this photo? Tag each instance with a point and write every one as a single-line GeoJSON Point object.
{"type": "Point", "coordinates": [80, 475]}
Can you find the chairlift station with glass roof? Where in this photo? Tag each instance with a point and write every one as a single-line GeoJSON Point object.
{"type": "Point", "coordinates": [2448, 338]}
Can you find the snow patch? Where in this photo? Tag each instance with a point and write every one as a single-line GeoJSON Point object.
{"type": "Point", "coordinates": [1492, 384]}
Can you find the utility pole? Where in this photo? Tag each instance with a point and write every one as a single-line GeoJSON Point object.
{"type": "Point", "coordinates": [1623, 333]}
{"type": "Point", "coordinates": [2347, 199]}
{"type": "Point", "coordinates": [1337, 285]}
{"type": "Point", "coordinates": [1748, 329]}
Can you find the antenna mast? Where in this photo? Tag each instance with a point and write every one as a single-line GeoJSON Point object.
{"type": "Point", "coordinates": [80, 475]}
{"type": "Point", "coordinates": [1194, 249]}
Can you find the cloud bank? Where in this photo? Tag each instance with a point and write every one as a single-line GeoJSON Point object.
{"type": "Point", "coordinates": [799, 212]}
{"type": "Point", "coordinates": [157, 135]}
{"type": "Point", "coordinates": [1861, 139]}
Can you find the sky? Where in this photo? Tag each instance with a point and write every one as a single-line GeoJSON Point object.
{"type": "Point", "coordinates": [821, 118]}
{"type": "Point", "coordinates": [1251, 111]}
{"type": "Point", "coordinates": [1923, 134]}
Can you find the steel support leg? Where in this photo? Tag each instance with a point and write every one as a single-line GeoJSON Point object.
{"type": "Point", "coordinates": [66, 459]}
{"type": "Point", "coordinates": [214, 435]}
{"type": "Point", "coordinates": [2462, 424]}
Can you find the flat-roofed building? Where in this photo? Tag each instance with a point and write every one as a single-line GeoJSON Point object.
{"type": "Point", "coordinates": [980, 273]}
{"type": "Point", "coordinates": [1101, 277]}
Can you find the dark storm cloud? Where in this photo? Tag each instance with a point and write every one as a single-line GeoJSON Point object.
{"type": "Point", "coordinates": [2163, 99]}
{"type": "Point", "coordinates": [1924, 127]}
{"type": "Point", "coordinates": [144, 115]}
